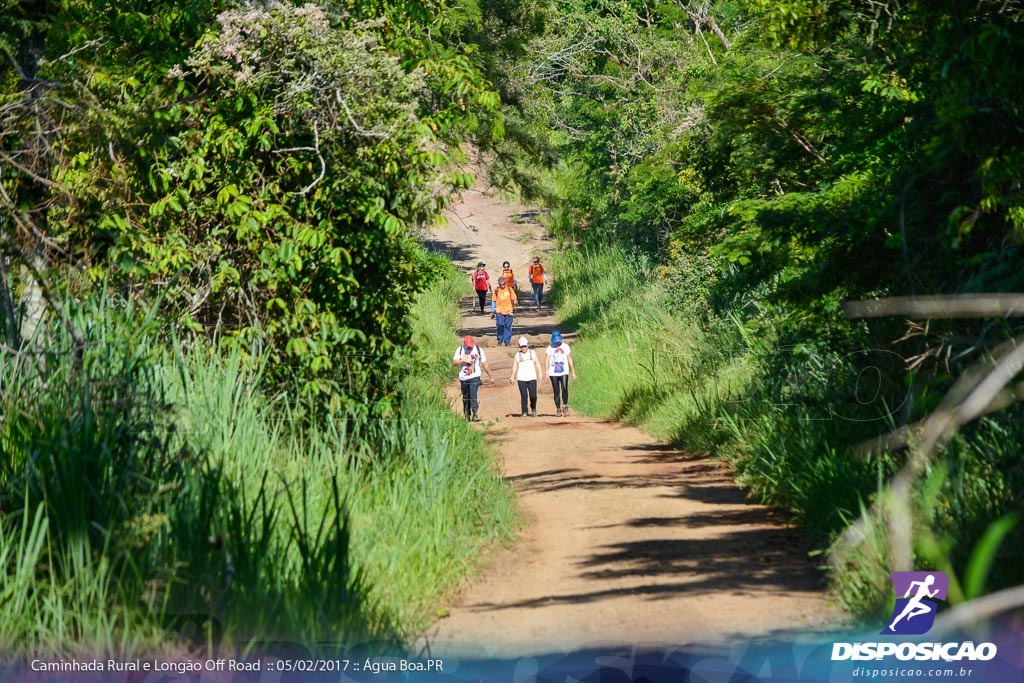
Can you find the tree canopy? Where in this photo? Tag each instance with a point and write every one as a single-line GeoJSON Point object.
{"type": "Point", "coordinates": [261, 170]}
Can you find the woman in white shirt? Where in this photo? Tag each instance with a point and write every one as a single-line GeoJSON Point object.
{"type": "Point", "coordinates": [526, 369]}
{"type": "Point", "coordinates": [560, 366]}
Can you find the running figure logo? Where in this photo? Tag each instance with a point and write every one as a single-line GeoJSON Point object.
{"type": "Point", "coordinates": [914, 614]}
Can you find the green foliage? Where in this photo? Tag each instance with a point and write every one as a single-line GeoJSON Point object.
{"type": "Point", "coordinates": [827, 149]}
{"type": "Point", "coordinates": [256, 178]}
{"type": "Point", "coordinates": [983, 557]}
{"type": "Point", "coordinates": [138, 518]}
{"type": "Point", "coordinates": [772, 160]}
{"type": "Point", "coordinates": [786, 412]}
{"type": "Point", "coordinates": [269, 166]}
{"type": "Point", "coordinates": [156, 501]}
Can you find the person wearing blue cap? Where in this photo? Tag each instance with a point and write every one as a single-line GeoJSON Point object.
{"type": "Point", "coordinates": [559, 367]}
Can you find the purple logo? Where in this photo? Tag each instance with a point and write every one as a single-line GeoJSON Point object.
{"type": "Point", "coordinates": [914, 613]}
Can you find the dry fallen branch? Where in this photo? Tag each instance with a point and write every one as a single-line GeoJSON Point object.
{"type": "Point", "coordinates": [979, 391]}
{"type": "Point", "coordinates": [904, 436]}
{"type": "Point", "coordinates": [970, 397]}
{"type": "Point", "coordinates": [939, 306]}
{"type": "Point", "coordinates": [978, 610]}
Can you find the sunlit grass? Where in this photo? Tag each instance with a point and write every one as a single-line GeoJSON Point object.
{"type": "Point", "coordinates": [156, 500]}
{"type": "Point", "coordinates": [706, 383]}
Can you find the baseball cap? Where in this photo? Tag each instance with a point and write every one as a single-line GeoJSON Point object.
{"type": "Point", "coordinates": [523, 341]}
{"type": "Point", "coordinates": [468, 340]}
{"type": "Point", "coordinates": [481, 264]}
{"type": "Point", "coordinates": [556, 337]}
{"type": "Point", "coordinates": [501, 280]}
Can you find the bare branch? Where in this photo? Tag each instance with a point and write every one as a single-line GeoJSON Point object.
{"type": "Point", "coordinates": [85, 46]}
{"type": "Point", "coordinates": [316, 149]}
{"type": "Point", "coordinates": [360, 129]}
{"type": "Point", "coordinates": [802, 141]}
{"type": "Point", "coordinates": [978, 610]}
{"type": "Point", "coordinates": [939, 306]}
{"type": "Point", "coordinates": [904, 436]}
{"type": "Point", "coordinates": [967, 400]}
{"type": "Point", "coordinates": [35, 176]}
{"type": "Point", "coordinates": [706, 45]}
{"type": "Point", "coordinates": [701, 16]}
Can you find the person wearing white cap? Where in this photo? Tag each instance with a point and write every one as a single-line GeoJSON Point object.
{"type": "Point", "coordinates": [526, 369]}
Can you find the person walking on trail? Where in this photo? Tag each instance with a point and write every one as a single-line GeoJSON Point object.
{"type": "Point", "coordinates": [481, 284]}
{"type": "Point", "coordinates": [538, 278]}
{"type": "Point", "coordinates": [471, 359]}
{"type": "Point", "coordinates": [510, 277]}
{"type": "Point", "coordinates": [559, 366]}
{"type": "Point", "coordinates": [503, 304]}
{"type": "Point", "coordinates": [526, 370]}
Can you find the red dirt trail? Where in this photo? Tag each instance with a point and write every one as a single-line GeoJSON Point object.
{"type": "Point", "coordinates": [625, 541]}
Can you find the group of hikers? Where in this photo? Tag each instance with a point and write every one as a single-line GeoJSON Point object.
{"type": "Point", "coordinates": [504, 298]}
{"type": "Point", "coordinates": [526, 366]}
{"type": "Point", "coordinates": [526, 370]}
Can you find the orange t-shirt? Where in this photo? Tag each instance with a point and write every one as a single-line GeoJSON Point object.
{"type": "Point", "coordinates": [509, 276]}
{"type": "Point", "coordinates": [503, 300]}
{"type": "Point", "coordinates": [537, 273]}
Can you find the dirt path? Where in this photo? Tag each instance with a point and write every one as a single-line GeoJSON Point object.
{"type": "Point", "coordinates": [625, 541]}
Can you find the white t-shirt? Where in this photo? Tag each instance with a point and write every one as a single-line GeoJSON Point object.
{"type": "Point", "coordinates": [558, 359]}
{"type": "Point", "coordinates": [470, 370]}
{"type": "Point", "coordinates": [526, 371]}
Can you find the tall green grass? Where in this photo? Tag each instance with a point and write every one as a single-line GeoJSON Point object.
{"type": "Point", "coordinates": [648, 361]}
{"type": "Point", "coordinates": [154, 499]}
{"type": "Point", "coordinates": [786, 418]}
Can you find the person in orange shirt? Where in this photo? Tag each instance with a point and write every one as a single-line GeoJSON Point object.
{"type": "Point", "coordinates": [510, 277]}
{"type": "Point", "coordinates": [538, 278]}
{"type": "Point", "coordinates": [503, 303]}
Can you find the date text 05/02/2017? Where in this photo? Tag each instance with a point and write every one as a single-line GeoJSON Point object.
{"type": "Point", "coordinates": [372, 665]}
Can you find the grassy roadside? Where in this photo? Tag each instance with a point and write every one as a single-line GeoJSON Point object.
{"type": "Point", "coordinates": [154, 500]}
{"type": "Point", "coordinates": [786, 417]}
{"type": "Point", "coordinates": [649, 362]}
{"type": "Point", "coordinates": [425, 519]}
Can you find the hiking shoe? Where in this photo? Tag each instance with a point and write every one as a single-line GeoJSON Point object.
{"type": "Point", "coordinates": [558, 412]}
{"type": "Point", "coordinates": [524, 415]}
{"type": "Point", "coordinates": [565, 411]}
{"type": "Point", "coordinates": [476, 418]}
{"type": "Point", "coordinates": [534, 413]}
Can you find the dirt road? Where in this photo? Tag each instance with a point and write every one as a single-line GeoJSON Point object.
{"type": "Point", "coordinates": [625, 540]}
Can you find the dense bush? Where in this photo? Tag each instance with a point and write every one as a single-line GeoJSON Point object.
{"type": "Point", "coordinates": [153, 499]}
{"type": "Point", "coordinates": [789, 417]}
{"type": "Point", "coordinates": [263, 171]}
